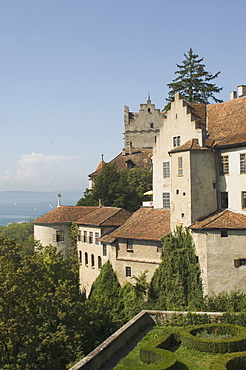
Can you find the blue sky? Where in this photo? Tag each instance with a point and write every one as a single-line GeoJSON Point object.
{"type": "Point", "coordinates": [69, 67]}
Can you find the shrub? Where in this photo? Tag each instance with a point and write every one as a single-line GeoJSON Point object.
{"type": "Point", "coordinates": [234, 344]}
{"type": "Point", "coordinates": [230, 361]}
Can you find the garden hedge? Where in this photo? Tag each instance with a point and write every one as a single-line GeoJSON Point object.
{"type": "Point", "coordinates": [232, 361]}
{"type": "Point", "coordinates": [234, 344]}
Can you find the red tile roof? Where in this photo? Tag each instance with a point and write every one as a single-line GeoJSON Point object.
{"type": "Point", "coordinates": [227, 119]}
{"type": "Point", "coordinates": [198, 113]}
{"type": "Point", "coordinates": [145, 223]}
{"type": "Point", "coordinates": [221, 219]}
{"type": "Point", "coordinates": [107, 216]}
{"type": "Point", "coordinates": [140, 158]}
{"type": "Point", "coordinates": [191, 144]}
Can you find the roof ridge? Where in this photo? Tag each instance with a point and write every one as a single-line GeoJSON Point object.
{"type": "Point", "coordinates": [216, 218]}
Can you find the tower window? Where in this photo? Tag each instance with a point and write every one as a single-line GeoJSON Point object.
{"type": "Point", "coordinates": [149, 111]}
{"type": "Point", "coordinates": [180, 166]}
{"type": "Point", "coordinates": [224, 165]}
{"type": "Point", "coordinates": [151, 125]}
{"type": "Point", "coordinates": [166, 200]}
{"type": "Point", "coordinates": [242, 163]}
{"type": "Point", "coordinates": [176, 141]}
{"type": "Point", "coordinates": [128, 271]}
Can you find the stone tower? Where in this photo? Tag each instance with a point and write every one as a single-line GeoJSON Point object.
{"type": "Point", "coordinates": [141, 128]}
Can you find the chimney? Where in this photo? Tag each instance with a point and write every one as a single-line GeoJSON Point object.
{"type": "Point", "coordinates": [233, 95]}
{"type": "Point", "coordinates": [59, 200]}
{"type": "Point", "coordinates": [241, 89]}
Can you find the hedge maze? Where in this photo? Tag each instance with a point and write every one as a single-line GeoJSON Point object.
{"type": "Point", "coordinates": [226, 339]}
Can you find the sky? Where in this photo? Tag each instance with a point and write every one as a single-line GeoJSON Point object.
{"type": "Point", "coordinates": [68, 67]}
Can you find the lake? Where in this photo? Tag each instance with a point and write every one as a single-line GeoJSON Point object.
{"type": "Point", "coordinates": [25, 206]}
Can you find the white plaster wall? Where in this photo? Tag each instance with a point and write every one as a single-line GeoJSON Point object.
{"type": "Point", "coordinates": [203, 184]}
{"type": "Point", "coordinates": [218, 265]}
{"type": "Point", "coordinates": [44, 234]}
{"type": "Point", "coordinates": [144, 256]}
{"type": "Point", "coordinates": [233, 183]}
{"type": "Point", "coordinates": [180, 191]}
{"type": "Point", "coordinates": [177, 123]}
{"type": "Point", "coordinates": [87, 272]}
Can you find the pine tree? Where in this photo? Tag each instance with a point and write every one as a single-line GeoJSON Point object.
{"type": "Point", "coordinates": [193, 81]}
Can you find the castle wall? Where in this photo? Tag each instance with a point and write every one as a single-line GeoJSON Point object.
{"type": "Point", "coordinates": [217, 256]}
{"type": "Point", "coordinates": [141, 128]}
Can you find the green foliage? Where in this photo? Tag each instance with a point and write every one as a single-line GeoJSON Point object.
{"type": "Point", "coordinates": [132, 298]}
{"type": "Point", "coordinates": [234, 301]}
{"type": "Point", "coordinates": [43, 323]}
{"type": "Point", "coordinates": [193, 81]}
{"type": "Point", "coordinates": [115, 188]}
{"type": "Point", "coordinates": [21, 233]}
{"type": "Point", "coordinates": [234, 338]}
{"type": "Point", "coordinates": [103, 302]}
{"type": "Point", "coordinates": [176, 283]}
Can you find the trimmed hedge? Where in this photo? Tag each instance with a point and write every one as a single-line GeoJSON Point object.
{"type": "Point", "coordinates": [234, 344]}
{"type": "Point", "coordinates": [157, 354]}
{"type": "Point", "coordinates": [232, 361]}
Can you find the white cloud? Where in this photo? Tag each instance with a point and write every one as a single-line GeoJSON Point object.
{"type": "Point", "coordinates": [37, 171]}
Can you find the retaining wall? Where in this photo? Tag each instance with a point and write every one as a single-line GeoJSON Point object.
{"type": "Point", "coordinates": [105, 351]}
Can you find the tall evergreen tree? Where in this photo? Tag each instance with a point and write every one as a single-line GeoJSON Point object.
{"type": "Point", "coordinates": [193, 81]}
{"type": "Point", "coordinates": [176, 284]}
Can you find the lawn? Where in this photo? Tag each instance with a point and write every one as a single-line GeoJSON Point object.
{"type": "Point", "coordinates": [187, 359]}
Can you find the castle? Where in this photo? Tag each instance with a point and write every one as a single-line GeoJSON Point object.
{"type": "Point", "coordinates": [199, 181]}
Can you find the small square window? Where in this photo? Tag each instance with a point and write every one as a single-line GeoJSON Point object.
{"type": "Point", "coordinates": [151, 125]}
{"type": "Point", "coordinates": [223, 233]}
{"type": "Point", "coordinates": [239, 262]}
{"type": "Point", "coordinates": [129, 244]}
{"type": "Point", "coordinates": [60, 237]}
{"type": "Point", "coordinates": [128, 271]}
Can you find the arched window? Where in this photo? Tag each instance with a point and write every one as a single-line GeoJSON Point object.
{"type": "Point", "coordinates": [99, 261]}
{"type": "Point", "coordinates": [80, 257]}
{"type": "Point", "coordinates": [86, 258]}
{"type": "Point", "coordinates": [92, 261]}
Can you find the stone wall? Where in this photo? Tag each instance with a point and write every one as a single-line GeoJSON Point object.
{"type": "Point", "coordinates": [105, 351]}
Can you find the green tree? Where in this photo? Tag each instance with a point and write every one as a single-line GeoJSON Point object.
{"type": "Point", "coordinates": [115, 188]}
{"type": "Point", "coordinates": [43, 322]}
{"type": "Point", "coordinates": [132, 298]}
{"type": "Point", "coordinates": [22, 234]}
{"type": "Point", "coordinates": [193, 81]}
{"type": "Point", "coordinates": [103, 302]}
{"type": "Point", "coordinates": [176, 283]}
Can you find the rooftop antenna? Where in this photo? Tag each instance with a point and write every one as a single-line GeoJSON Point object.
{"type": "Point", "coordinates": [102, 157]}
{"type": "Point", "coordinates": [148, 95]}
{"type": "Point", "coordinates": [59, 200]}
